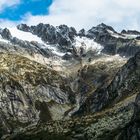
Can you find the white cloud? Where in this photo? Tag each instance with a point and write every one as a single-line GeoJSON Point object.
{"type": "Point", "coordinates": [87, 13]}
{"type": "Point", "coordinates": [4, 4]}
{"type": "Point", "coordinates": [7, 23]}
{"type": "Point", "coordinates": [8, 3]}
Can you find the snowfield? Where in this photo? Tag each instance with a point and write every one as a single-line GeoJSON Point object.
{"type": "Point", "coordinates": [27, 36]}
{"type": "Point", "coordinates": [24, 35]}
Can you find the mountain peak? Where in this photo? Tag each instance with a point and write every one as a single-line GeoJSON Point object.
{"type": "Point", "coordinates": [104, 26]}
{"type": "Point", "coordinates": [133, 32]}
{"type": "Point", "coordinates": [50, 76]}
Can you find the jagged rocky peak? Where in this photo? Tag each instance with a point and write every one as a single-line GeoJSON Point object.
{"type": "Point", "coordinates": [5, 33]}
{"type": "Point", "coordinates": [61, 34]}
{"type": "Point", "coordinates": [64, 38]}
{"type": "Point", "coordinates": [23, 43]}
{"type": "Point", "coordinates": [104, 26]}
{"type": "Point", "coordinates": [23, 27]}
{"type": "Point", "coordinates": [100, 29]}
{"type": "Point", "coordinates": [65, 29]}
{"type": "Point", "coordinates": [133, 32]}
{"type": "Point", "coordinates": [82, 32]}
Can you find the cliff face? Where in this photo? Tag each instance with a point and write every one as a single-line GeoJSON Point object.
{"type": "Point", "coordinates": [101, 126]}
{"type": "Point", "coordinates": [124, 84]}
{"type": "Point", "coordinates": [29, 92]}
{"type": "Point", "coordinates": [131, 130]}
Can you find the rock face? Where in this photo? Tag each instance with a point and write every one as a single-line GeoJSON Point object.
{"type": "Point", "coordinates": [125, 83]}
{"type": "Point", "coordinates": [58, 83]}
{"type": "Point", "coordinates": [123, 43]}
{"type": "Point", "coordinates": [28, 89]}
{"type": "Point", "coordinates": [113, 42]}
{"type": "Point", "coordinates": [120, 121]}
{"type": "Point", "coordinates": [134, 32]}
{"type": "Point", "coordinates": [62, 35]}
{"type": "Point", "coordinates": [15, 45]}
{"type": "Point", "coordinates": [5, 33]}
{"type": "Point", "coordinates": [131, 130]}
{"type": "Point", "coordinates": [101, 126]}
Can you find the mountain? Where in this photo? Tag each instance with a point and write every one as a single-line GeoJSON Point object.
{"type": "Point", "coordinates": [58, 83]}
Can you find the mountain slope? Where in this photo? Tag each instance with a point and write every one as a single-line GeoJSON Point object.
{"type": "Point", "coordinates": [57, 83]}
{"type": "Point", "coordinates": [30, 90]}
{"type": "Point", "coordinates": [114, 122]}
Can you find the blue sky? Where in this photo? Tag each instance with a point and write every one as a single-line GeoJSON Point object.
{"type": "Point", "coordinates": [121, 14]}
{"type": "Point", "coordinates": [34, 7]}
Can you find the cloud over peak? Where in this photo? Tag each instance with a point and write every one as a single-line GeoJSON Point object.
{"type": "Point", "coordinates": [84, 14]}
{"type": "Point", "coordinates": [87, 13]}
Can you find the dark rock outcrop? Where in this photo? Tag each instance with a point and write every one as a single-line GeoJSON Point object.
{"type": "Point", "coordinates": [5, 33]}
{"type": "Point", "coordinates": [82, 32]}
{"type": "Point", "coordinates": [131, 32]}
{"type": "Point", "coordinates": [131, 130]}
{"type": "Point", "coordinates": [64, 36]}
{"type": "Point", "coordinates": [113, 42]}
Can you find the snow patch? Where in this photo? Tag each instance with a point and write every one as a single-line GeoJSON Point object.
{"type": "Point", "coordinates": [131, 35]}
{"type": "Point", "coordinates": [88, 44]}
{"type": "Point", "coordinates": [27, 36]}
{"type": "Point", "coordinates": [54, 50]}
{"type": "Point", "coordinates": [125, 36]}
{"type": "Point", "coordinates": [108, 58]}
{"type": "Point", "coordinates": [24, 35]}
{"type": "Point", "coordinates": [115, 34]}
{"type": "Point", "coordinates": [3, 40]}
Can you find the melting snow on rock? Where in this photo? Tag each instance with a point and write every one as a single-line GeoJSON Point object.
{"type": "Point", "coordinates": [88, 44]}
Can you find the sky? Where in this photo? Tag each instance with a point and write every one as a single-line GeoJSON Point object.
{"type": "Point", "coordinates": [121, 14]}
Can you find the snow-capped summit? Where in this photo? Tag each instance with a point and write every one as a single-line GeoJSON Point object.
{"type": "Point", "coordinates": [49, 41]}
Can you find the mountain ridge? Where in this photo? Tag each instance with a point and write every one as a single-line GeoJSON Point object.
{"type": "Point", "coordinates": [55, 80]}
